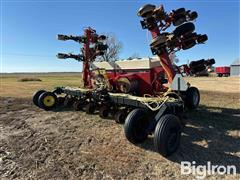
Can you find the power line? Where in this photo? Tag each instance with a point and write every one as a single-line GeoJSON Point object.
{"type": "Point", "coordinates": [29, 55]}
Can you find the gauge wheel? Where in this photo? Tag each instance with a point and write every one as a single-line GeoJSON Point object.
{"type": "Point", "coordinates": [120, 116]}
{"type": "Point", "coordinates": [36, 96]}
{"type": "Point", "coordinates": [104, 112]}
{"type": "Point", "coordinates": [47, 101]}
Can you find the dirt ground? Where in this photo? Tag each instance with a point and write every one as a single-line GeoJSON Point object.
{"type": "Point", "coordinates": [63, 144]}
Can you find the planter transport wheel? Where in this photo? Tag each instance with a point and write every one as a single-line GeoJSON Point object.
{"type": "Point", "coordinates": [167, 134]}
{"type": "Point", "coordinates": [36, 96]}
{"type": "Point", "coordinates": [120, 116]}
{"type": "Point", "coordinates": [192, 98]}
{"type": "Point", "coordinates": [104, 112]}
{"type": "Point", "coordinates": [136, 125]}
{"type": "Point", "coordinates": [47, 100]}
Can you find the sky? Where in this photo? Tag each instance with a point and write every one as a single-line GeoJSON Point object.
{"type": "Point", "coordinates": [29, 29]}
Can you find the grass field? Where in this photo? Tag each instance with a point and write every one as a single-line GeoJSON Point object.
{"type": "Point", "coordinates": [63, 144]}
{"type": "Point", "coordinates": [11, 86]}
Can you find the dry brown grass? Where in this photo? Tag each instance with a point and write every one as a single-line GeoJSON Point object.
{"type": "Point", "coordinates": [63, 144]}
{"type": "Point", "coordinates": [11, 87]}
{"type": "Point", "coordinates": [219, 84]}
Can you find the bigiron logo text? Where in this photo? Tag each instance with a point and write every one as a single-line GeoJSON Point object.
{"type": "Point", "coordinates": [201, 171]}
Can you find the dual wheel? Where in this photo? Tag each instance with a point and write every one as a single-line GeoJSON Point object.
{"type": "Point", "coordinates": [167, 132]}
{"type": "Point", "coordinates": [45, 100]}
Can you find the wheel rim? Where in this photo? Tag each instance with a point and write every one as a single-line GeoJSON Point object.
{"type": "Point", "coordinates": [49, 101]}
{"type": "Point", "coordinates": [195, 98]}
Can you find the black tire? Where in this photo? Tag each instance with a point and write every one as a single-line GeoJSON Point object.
{"type": "Point", "coordinates": [188, 44]}
{"type": "Point", "coordinates": [47, 101]}
{"type": "Point", "coordinates": [198, 69]}
{"type": "Point", "coordinates": [202, 38]}
{"type": "Point", "coordinates": [192, 98]}
{"type": "Point", "coordinates": [60, 101]}
{"type": "Point", "coordinates": [77, 106]}
{"type": "Point", "coordinates": [104, 112]}
{"type": "Point", "coordinates": [90, 108]}
{"type": "Point", "coordinates": [210, 62]}
{"type": "Point", "coordinates": [178, 20]}
{"type": "Point", "coordinates": [193, 15]}
{"type": "Point", "coordinates": [36, 96]}
{"type": "Point", "coordinates": [120, 116]}
{"type": "Point", "coordinates": [179, 16]}
{"type": "Point", "coordinates": [167, 135]}
{"type": "Point", "coordinates": [136, 125]}
{"type": "Point", "coordinates": [146, 9]}
{"type": "Point", "coordinates": [184, 29]}
{"type": "Point", "coordinates": [68, 102]}
{"type": "Point", "coordinates": [194, 64]}
{"type": "Point", "coordinates": [179, 11]}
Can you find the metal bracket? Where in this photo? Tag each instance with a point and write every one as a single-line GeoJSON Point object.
{"type": "Point", "coordinates": [156, 118]}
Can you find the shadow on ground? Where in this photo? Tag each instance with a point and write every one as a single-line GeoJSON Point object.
{"type": "Point", "coordinates": [206, 138]}
{"type": "Point", "coordinates": [212, 134]}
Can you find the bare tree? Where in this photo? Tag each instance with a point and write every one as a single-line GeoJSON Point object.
{"type": "Point", "coordinates": [134, 56]}
{"type": "Point", "coordinates": [114, 48]}
{"type": "Point", "coordinates": [173, 57]}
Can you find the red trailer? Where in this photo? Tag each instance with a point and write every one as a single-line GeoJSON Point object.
{"type": "Point", "coordinates": [223, 71]}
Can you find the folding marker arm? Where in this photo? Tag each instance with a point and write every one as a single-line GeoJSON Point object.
{"type": "Point", "coordinates": [93, 45]}
{"type": "Point", "coordinates": [80, 39]}
{"type": "Point", "coordinates": [78, 57]}
{"type": "Point", "coordinates": [156, 20]}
